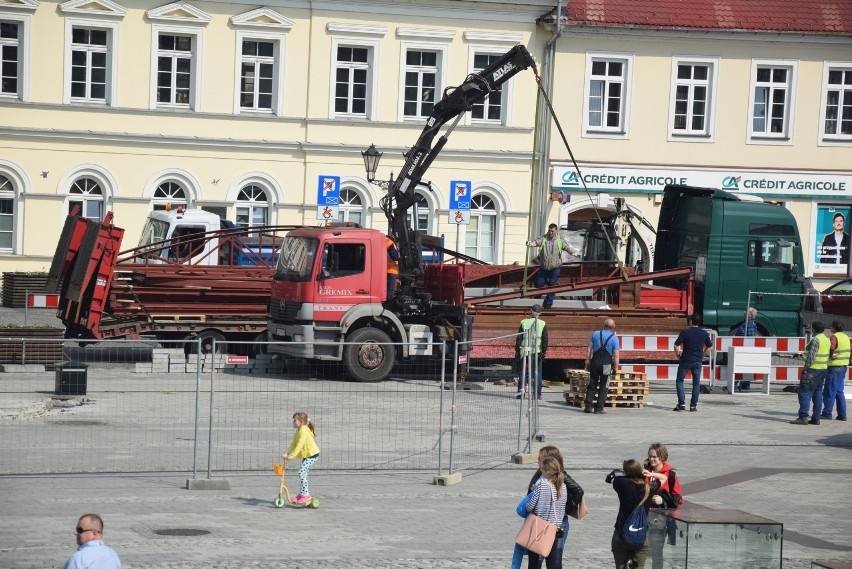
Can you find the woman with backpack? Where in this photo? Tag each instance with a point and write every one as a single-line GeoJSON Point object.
{"type": "Point", "coordinates": [633, 504]}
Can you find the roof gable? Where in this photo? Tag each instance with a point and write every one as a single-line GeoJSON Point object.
{"type": "Point", "coordinates": [179, 12]}
{"type": "Point", "coordinates": [93, 8]}
{"type": "Point", "coordinates": [29, 5]}
{"type": "Point", "coordinates": [262, 18]}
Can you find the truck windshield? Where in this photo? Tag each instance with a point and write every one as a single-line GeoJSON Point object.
{"type": "Point", "coordinates": [155, 230]}
{"type": "Point", "coordinates": [296, 259]}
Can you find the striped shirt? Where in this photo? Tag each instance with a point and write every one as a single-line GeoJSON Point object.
{"type": "Point", "coordinates": [546, 504]}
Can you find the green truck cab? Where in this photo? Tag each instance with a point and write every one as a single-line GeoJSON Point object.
{"type": "Point", "coordinates": [736, 245]}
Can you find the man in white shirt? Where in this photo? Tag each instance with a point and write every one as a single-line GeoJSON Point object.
{"type": "Point", "coordinates": [92, 552]}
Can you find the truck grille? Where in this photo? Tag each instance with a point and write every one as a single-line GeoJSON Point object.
{"type": "Point", "coordinates": [287, 315]}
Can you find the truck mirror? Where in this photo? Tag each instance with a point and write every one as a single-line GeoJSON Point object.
{"type": "Point", "coordinates": [324, 274]}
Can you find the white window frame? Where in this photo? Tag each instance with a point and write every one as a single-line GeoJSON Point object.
{"type": "Point", "coordinates": [10, 193]}
{"type": "Point", "coordinates": [344, 210]}
{"type": "Point", "coordinates": [786, 136]}
{"type": "Point", "coordinates": [196, 65]}
{"type": "Point", "coordinates": [372, 47]}
{"type": "Point", "coordinates": [24, 22]}
{"type": "Point", "coordinates": [440, 75]}
{"type": "Point", "coordinates": [622, 131]}
{"type": "Point", "coordinates": [253, 205]}
{"type": "Point", "coordinates": [427, 213]}
{"type": "Point", "coordinates": [831, 139]}
{"type": "Point", "coordinates": [690, 135]}
{"type": "Point", "coordinates": [497, 229]}
{"type": "Point", "coordinates": [506, 88]}
{"type": "Point", "coordinates": [279, 49]}
{"type": "Point", "coordinates": [111, 29]}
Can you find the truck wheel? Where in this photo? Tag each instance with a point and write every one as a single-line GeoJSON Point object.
{"type": "Point", "coordinates": [210, 340]}
{"type": "Point", "coordinates": [369, 355]}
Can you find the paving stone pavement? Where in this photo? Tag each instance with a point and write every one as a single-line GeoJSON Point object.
{"type": "Point", "coordinates": [737, 451]}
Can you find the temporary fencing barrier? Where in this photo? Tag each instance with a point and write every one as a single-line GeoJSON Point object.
{"type": "Point", "coordinates": [147, 408]}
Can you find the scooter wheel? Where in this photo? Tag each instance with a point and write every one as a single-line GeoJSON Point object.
{"type": "Point", "coordinates": [278, 502]}
{"type": "Point", "coordinates": [314, 503]}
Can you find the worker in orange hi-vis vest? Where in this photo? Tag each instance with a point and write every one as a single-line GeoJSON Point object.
{"type": "Point", "coordinates": [393, 265]}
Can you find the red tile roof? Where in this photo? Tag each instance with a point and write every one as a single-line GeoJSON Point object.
{"type": "Point", "coordinates": [832, 17]}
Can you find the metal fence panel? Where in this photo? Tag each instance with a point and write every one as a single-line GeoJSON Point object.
{"type": "Point", "coordinates": [149, 408]}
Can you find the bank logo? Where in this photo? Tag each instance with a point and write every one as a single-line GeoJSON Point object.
{"type": "Point", "coordinates": [570, 179]}
{"type": "Point", "coordinates": [729, 182]}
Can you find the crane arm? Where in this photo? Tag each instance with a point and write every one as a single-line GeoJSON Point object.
{"type": "Point", "coordinates": [453, 104]}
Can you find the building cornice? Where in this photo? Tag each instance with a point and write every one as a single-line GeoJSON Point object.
{"type": "Point", "coordinates": [231, 143]}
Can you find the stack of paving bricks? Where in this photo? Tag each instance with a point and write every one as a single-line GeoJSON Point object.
{"type": "Point", "coordinates": [627, 389]}
{"type": "Point", "coordinates": [174, 360]}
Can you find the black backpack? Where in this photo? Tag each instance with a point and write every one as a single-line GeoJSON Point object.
{"type": "Point", "coordinates": [634, 531]}
{"type": "Point", "coordinates": [601, 358]}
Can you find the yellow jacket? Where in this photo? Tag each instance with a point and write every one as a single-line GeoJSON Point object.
{"type": "Point", "coordinates": [303, 445]}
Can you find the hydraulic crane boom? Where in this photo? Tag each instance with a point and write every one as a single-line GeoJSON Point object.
{"type": "Point", "coordinates": [453, 104]}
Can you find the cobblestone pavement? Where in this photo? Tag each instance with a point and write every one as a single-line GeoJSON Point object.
{"type": "Point", "coordinates": [738, 451]}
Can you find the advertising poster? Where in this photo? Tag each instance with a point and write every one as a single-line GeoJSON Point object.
{"type": "Point", "coordinates": [831, 240]}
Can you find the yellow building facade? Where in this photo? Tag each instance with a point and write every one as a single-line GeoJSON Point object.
{"type": "Point", "coordinates": [241, 109]}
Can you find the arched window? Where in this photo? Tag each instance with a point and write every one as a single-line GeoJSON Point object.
{"type": "Point", "coordinates": [481, 234]}
{"type": "Point", "coordinates": [169, 193]}
{"type": "Point", "coordinates": [351, 207]}
{"type": "Point", "coordinates": [7, 215]}
{"type": "Point", "coordinates": [424, 214]}
{"type": "Point", "coordinates": [252, 207]}
{"type": "Point", "coordinates": [87, 193]}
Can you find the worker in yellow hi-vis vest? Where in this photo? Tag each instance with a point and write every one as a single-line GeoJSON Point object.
{"type": "Point", "coordinates": [814, 370]}
{"type": "Point", "coordinates": [531, 345]}
{"type": "Point", "coordinates": [838, 366]}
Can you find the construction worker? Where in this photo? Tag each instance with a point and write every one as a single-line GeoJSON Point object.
{"type": "Point", "coordinates": [531, 340]}
{"type": "Point", "coordinates": [814, 370]}
{"type": "Point", "coordinates": [393, 264]}
{"type": "Point", "coordinates": [838, 364]}
{"type": "Point", "coordinates": [549, 259]}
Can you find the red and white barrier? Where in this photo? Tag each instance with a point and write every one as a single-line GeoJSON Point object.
{"type": "Point", "coordinates": [783, 345]}
{"type": "Point", "coordinates": [42, 300]}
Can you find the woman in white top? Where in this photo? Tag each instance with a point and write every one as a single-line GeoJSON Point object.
{"type": "Point", "coordinates": [548, 502]}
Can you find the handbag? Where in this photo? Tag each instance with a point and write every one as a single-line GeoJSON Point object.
{"type": "Point", "coordinates": [581, 511]}
{"type": "Point", "coordinates": [537, 534]}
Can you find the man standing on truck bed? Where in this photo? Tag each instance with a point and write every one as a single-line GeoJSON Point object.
{"type": "Point", "coordinates": [814, 370]}
{"type": "Point", "coordinates": [602, 363]}
{"type": "Point", "coordinates": [549, 259]}
{"type": "Point", "coordinates": [690, 346]}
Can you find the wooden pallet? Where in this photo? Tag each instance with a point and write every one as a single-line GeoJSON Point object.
{"type": "Point", "coordinates": [627, 390]}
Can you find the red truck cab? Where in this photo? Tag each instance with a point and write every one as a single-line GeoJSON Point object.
{"type": "Point", "coordinates": [329, 302]}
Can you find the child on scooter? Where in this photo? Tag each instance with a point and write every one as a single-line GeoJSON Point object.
{"type": "Point", "coordinates": [305, 447]}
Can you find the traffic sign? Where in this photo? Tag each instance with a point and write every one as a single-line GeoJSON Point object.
{"type": "Point", "coordinates": [328, 197]}
{"type": "Point", "coordinates": [460, 195]}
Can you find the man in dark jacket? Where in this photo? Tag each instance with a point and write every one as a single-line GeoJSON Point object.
{"type": "Point", "coordinates": [690, 346]}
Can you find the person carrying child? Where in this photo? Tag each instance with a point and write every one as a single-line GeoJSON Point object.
{"type": "Point", "coordinates": [305, 447]}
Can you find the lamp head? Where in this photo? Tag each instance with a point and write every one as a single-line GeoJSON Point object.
{"type": "Point", "coordinates": [371, 161]}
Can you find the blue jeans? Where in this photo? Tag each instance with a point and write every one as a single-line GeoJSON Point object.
{"type": "Point", "coordinates": [811, 390]}
{"type": "Point", "coordinates": [833, 391]}
{"type": "Point", "coordinates": [520, 552]}
{"type": "Point", "coordinates": [525, 374]}
{"type": "Point", "coordinates": [550, 278]}
{"type": "Point", "coordinates": [682, 368]}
